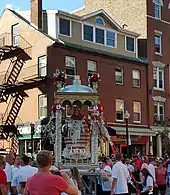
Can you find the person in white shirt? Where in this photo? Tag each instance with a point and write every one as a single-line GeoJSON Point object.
{"type": "Point", "coordinates": [25, 172]}
{"type": "Point", "coordinates": [148, 183]}
{"type": "Point", "coordinates": [8, 170]}
{"type": "Point", "coordinates": [151, 168]}
{"type": "Point", "coordinates": [120, 177]}
{"type": "Point", "coordinates": [106, 177]}
{"type": "Point", "coordinates": [16, 166]}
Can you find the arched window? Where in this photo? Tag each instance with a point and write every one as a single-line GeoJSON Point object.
{"type": "Point", "coordinates": [100, 21]}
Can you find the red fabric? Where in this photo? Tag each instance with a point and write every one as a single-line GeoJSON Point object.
{"type": "Point", "coordinates": [161, 175]}
{"type": "Point", "coordinates": [3, 178]}
{"type": "Point", "coordinates": [46, 183]}
{"type": "Point", "coordinates": [138, 164]}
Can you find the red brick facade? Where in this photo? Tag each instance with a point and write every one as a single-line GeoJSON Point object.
{"type": "Point", "coordinates": [108, 90]}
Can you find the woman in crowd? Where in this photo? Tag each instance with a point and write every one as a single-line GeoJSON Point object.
{"type": "Point", "coordinates": [76, 179]}
{"type": "Point", "coordinates": [161, 178]}
{"type": "Point", "coordinates": [148, 182]}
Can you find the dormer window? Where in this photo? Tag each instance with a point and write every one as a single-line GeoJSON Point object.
{"type": "Point", "coordinates": [100, 21]}
{"type": "Point", "coordinates": [157, 8]}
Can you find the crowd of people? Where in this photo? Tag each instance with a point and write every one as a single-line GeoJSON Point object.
{"type": "Point", "coordinates": [116, 175]}
{"type": "Point", "coordinates": [19, 177]}
{"type": "Point", "coordinates": [140, 175]}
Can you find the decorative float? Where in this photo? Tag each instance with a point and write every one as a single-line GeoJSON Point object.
{"type": "Point", "coordinates": [76, 123]}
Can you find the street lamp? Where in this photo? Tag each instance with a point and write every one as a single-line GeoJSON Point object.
{"type": "Point", "coordinates": [126, 117]}
{"type": "Point", "coordinates": [32, 125]}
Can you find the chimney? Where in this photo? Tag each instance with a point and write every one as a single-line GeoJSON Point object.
{"type": "Point", "coordinates": [36, 13]}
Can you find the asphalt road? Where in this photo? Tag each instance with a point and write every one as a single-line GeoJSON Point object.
{"type": "Point", "coordinates": [168, 192]}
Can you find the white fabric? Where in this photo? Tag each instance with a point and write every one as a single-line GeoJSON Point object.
{"type": "Point", "coordinates": [149, 183]}
{"type": "Point", "coordinates": [8, 171]}
{"type": "Point", "coordinates": [107, 185]}
{"type": "Point", "coordinates": [121, 173]}
{"type": "Point", "coordinates": [23, 174]}
{"type": "Point", "coordinates": [14, 170]}
{"type": "Point", "coordinates": [144, 166]}
{"type": "Point", "coordinates": [151, 169]}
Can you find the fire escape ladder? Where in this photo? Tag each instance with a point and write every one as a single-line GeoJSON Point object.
{"type": "Point", "coordinates": [15, 108]}
{"type": "Point", "coordinates": [16, 69]}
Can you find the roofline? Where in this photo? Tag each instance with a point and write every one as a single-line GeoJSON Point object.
{"type": "Point", "coordinates": [113, 21]}
{"type": "Point", "coordinates": [79, 9]}
{"type": "Point", "coordinates": [99, 52]}
{"type": "Point", "coordinates": [29, 23]}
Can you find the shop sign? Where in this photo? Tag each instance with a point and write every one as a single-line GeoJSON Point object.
{"type": "Point", "coordinates": [26, 130]}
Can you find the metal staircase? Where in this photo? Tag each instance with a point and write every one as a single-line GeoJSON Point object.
{"type": "Point", "coordinates": [17, 55]}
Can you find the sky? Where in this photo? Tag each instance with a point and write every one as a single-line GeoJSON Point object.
{"type": "Point", "coordinates": [65, 5]}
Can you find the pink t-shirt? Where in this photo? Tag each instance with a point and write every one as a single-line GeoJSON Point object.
{"type": "Point", "coordinates": [45, 184]}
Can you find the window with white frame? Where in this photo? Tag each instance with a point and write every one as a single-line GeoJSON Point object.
{"type": "Point", "coordinates": [137, 112]}
{"type": "Point", "coordinates": [91, 67]}
{"type": "Point", "coordinates": [70, 65]}
{"type": "Point", "coordinates": [100, 36]}
{"type": "Point", "coordinates": [158, 111]}
{"type": "Point", "coordinates": [130, 44]}
{"type": "Point", "coordinates": [136, 78]}
{"type": "Point", "coordinates": [88, 33]}
{"type": "Point", "coordinates": [158, 76]}
{"type": "Point", "coordinates": [119, 75]}
{"type": "Point", "coordinates": [42, 101]}
{"type": "Point", "coordinates": [15, 34]}
{"type": "Point", "coordinates": [157, 9]}
{"type": "Point", "coordinates": [158, 43]}
{"type": "Point", "coordinates": [42, 66]}
{"type": "Point", "coordinates": [119, 110]}
{"type": "Point", "coordinates": [110, 38]}
{"type": "Point", "coordinates": [68, 111]}
{"type": "Point", "coordinates": [64, 27]}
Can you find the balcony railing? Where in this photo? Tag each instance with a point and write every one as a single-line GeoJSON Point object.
{"type": "Point", "coordinates": [19, 41]}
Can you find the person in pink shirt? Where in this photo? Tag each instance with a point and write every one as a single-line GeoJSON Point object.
{"type": "Point", "coordinates": [44, 182]}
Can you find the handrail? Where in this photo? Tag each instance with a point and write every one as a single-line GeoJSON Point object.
{"type": "Point", "coordinates": [5, 115]}
{"type": "Point", "coordinates": [6, 39]}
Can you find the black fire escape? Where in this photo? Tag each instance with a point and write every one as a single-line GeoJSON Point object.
{"type": "Point", "coordinates": [11, 91]}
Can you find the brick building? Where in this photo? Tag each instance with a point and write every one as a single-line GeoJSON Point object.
{"type": "Point", "coordinates": [151, 20]}
{"type": "Point", "coordinates": [84, 44]}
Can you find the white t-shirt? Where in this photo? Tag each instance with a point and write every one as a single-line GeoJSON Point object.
{"type": "Point", "coordinates": [151, 169]}
{"type": "Point", "coordinates": [107, 185]}
{"type": "Point", "coordinates": [23, 174]}
{"type": "Point", "coordinates": [149, 183]}
{"type": "Point", "coordinates": [14, 170]}
{"type": "Point", "coordinates": [121, 173]}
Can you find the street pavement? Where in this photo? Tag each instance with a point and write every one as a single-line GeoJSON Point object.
{"type": "Point", "coordinates": [168, 192]}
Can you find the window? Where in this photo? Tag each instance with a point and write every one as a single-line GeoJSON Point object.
{"type": "Point", "coordinates": [158, 111]}
{"type": "Point", "coordinates": [42, 66]}
{"type": "Point", "coordinates": [157, 9]}
{"type": "Point", "coordinates": [15, 35]}
{"type": "Point", "coordinates": [158, 76]}
{"type": "Point", "coordinates": [137, 112]}
{"type": "Point", "coordinates": [130, 44]}
{"type": "Point", "coordinates": [64, 27]}
{"type": "Point", "coordinates": [88, 33]}
{"type": "Point", "coordinates": [119, 75]}
{"type": "Point", "coordinates": [42, 101]}
{"type": "Point", "coordinates": [68, 111]}
{"type": "Point", "coordinates": [70, 65]}
{"type": "Point", "coordinates": [99, 21]}
{"type": "Point", "coordinates": [136, 78]}
{"type": "Point", "coordinates": [110, 38]}
{"type": "Point", "coordinates": [158, 44]}
{"type": "Point", "coordinates": [119, 110]}
{"type": "Point", "coordinates": [91, 67]}
{"type": "Point", "coordinates": [99, 36]}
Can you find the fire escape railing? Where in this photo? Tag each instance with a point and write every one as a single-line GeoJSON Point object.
{"type": "Point", "coordinates": [17, 41]}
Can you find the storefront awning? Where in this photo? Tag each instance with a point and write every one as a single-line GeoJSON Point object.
{"type": "Point", "coordinates": [135, 131]}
